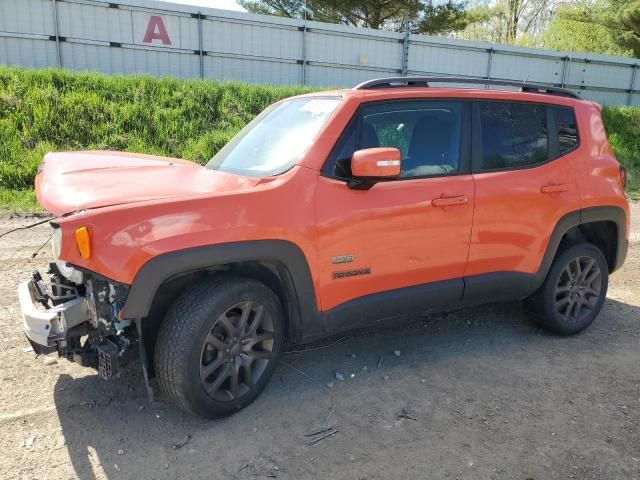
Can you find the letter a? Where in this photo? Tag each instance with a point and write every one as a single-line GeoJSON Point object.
{"type": "Point", "coordinates": [156, 23]}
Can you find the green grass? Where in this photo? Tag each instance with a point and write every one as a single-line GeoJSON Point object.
{"type": "Point", "coordinates": [19, 201]}
{"type": "Point", "coordinates": [47, 110]}
{"type": "Point", "coordinates": [623, 129]}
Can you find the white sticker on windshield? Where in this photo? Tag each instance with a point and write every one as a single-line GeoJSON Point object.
{"type": "Point", "coordinates": [320, 106]}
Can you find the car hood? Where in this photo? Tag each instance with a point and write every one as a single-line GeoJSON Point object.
{"type": "Point", "coordinates": [68, 182]}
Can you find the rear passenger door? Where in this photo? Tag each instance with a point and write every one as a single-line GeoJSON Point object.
{"type": "Point", "coordinates": [522, 167]}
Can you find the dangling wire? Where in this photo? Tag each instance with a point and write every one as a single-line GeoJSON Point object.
{"type": "Point", "coordinates": [35, 254]}
{"type": "Point", "coordinates": [28, 226]}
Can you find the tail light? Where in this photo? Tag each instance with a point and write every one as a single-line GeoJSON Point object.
{"type": "Point", "coordinates": [623, 176]}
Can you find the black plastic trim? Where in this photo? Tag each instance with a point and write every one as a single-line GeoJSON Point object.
{"type": "Point", "coordinates": [160, 268]}
{"type": "Point", "coordinates": [497, 287]}
{"type": "Point", "coordinates": [618, 216]}
{"type": "Point", "coordinates": [369, 309]}
{"type": "Point", "coordinates": [553, 141]}
{"type": "Point", "coordinates": [308, 323]}
{"type": "Point", "coordinates": [396, 82]}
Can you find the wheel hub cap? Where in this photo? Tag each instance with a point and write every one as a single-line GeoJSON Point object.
{"type": "Point", "coordinates": [578, 289]}
{"type": "Point", "coordinates": [236, 351]}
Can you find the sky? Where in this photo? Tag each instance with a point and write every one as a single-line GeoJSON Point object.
{"type": "Point", "coordinates": [223, 4]}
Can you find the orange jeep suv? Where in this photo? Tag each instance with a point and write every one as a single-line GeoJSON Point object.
{"type": "Point", "coordinates": [329, 211]}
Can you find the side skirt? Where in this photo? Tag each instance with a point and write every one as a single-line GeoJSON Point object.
{"type": "Point", "coordinates": [370, 309]}
{"type": "Point", "coordinates": [431, 297]}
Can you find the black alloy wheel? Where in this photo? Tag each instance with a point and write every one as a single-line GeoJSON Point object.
{"type": "Point", "coordinates": [219, 344]}
{"type": "Point", "coordinates": [237, 350]}
{"type": "Point", "coordinates": [573, 292]}
{"type": "Point", "coordinates": [578, 289]}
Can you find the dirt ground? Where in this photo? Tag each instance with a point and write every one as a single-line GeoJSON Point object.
{"type": "Point", "coordinates": [490, 396]}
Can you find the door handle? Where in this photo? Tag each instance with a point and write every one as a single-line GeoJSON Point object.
{"type": "Point", "coordinates": [554, 188]}
{"type": "Point", "coordinates": [447, 201]}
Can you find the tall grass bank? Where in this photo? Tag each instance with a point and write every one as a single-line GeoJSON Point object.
{"type": "Point", "coordinates": [45, 110]}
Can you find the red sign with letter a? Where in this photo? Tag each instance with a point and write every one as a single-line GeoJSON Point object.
{"type": "Point", "coordinates": [156, 31]}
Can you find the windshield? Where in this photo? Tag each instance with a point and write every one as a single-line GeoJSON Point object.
{"type": "Point", "coordinates": [274, 141]}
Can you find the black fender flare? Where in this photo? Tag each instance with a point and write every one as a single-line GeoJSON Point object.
{"type": "Point", "coordinates": [612, 214]}
{"type": "Point", "coordinates": [305, 316]}
{"type": "Point", "coordinates": [580, 217]}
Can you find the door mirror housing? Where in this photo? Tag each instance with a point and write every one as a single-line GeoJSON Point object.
{"type": "Point", "coordinates": [372, 165]}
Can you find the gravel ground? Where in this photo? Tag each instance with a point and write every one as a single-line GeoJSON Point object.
{"type": "Point", "coordinates": [489, 396]}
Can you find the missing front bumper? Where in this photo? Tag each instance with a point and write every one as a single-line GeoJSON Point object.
{"type": "Point", "coordinates": [47, 327]}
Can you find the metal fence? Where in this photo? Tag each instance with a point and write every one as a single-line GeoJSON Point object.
{"type": "Point", "coordinates": [164, 39]}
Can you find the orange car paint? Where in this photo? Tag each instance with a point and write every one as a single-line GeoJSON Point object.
{"type": "Point", "coordinates": [407, 232]}
{"type": "Point", "coordinates": [376, 162]}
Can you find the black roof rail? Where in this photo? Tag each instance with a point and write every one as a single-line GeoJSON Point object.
{"type": "Point", "coordinates": [392, 82]}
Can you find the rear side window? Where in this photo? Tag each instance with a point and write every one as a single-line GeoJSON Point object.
{"type": "Point", "coordinates": [567, 129]}
{"type": "Point", "coordinates": [514, 135]}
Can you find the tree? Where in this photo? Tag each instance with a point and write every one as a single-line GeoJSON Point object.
{"type": "Point", "coordinates": [571, 29]}
{"type": "Point", "coordinates": [443, 18]}
{"type": "Point", "coordinates": [625, 23]}
{"type": "Point", "coordinates": [509, 21]}
{"type": "Point", "coordinates": [603, 26]}
{"type": "Point", "coordinates": [280, 8]}
{"type": "Point", "coordinates": [426, 16]}
{"type": "Point", "coordinates": [361, 13]}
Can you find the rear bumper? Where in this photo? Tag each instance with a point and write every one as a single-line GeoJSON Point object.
{"type": "Point", "coordinates": [47, 327]}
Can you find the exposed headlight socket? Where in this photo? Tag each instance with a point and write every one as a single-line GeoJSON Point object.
{"type": "Point", "coordinates": [56, 242]}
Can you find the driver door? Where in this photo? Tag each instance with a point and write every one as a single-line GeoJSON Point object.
{"type": "Point", "coordinates": [403, 243]}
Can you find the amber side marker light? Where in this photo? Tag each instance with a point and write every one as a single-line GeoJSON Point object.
{"type": "Point", "coordinates": [83, 242]}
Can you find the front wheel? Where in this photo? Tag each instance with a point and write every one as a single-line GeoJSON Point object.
{"type": "Point", "coordinates": [573, 292]}
{"type": "Point", "coordinates": [219, 344]}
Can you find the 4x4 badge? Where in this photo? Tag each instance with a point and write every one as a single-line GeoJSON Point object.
{"type": "Point", "coordinates": [342, 259]}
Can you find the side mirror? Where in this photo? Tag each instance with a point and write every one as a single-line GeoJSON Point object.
{"type": "Point", "coordinates": [371, 165]}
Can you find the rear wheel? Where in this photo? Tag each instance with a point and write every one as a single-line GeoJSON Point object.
{"type": "Point", "coordinates": [218, 345]}
{"type": "Point", "coordinates": [573, 292]}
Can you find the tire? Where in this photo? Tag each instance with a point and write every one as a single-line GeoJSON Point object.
{"type": "Point", "coordinates": [223, 329]}
{"type": "Point", "coordinates": [573, 292]}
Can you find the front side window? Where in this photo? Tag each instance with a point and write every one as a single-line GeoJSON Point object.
{"type": "Point", "coordinates": [514, 135]}
{"type": "Point", "coordinates": [427, 133]}
{"type": "Point", "coordinates": [276, 139]}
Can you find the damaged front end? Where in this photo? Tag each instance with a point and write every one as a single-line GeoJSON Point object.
{"type": "Point", "coordinates": [78, 314]}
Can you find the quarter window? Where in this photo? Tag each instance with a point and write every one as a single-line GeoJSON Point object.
{"type": "Point", "coordinates": [567, 129]}
{"type": "Point", "coordinates": [513, 135]}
